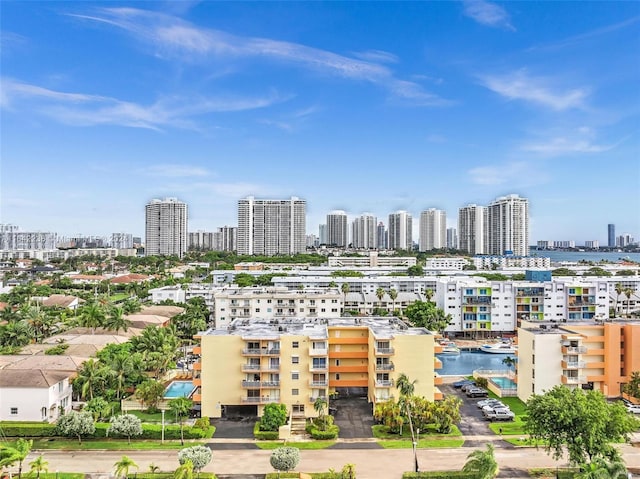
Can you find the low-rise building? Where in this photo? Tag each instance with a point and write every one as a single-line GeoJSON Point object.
{"type": "Point", "coordinates": [255, 362]}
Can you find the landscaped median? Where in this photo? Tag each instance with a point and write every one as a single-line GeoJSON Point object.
{"type": "Point", "coordinates": [427, 439]}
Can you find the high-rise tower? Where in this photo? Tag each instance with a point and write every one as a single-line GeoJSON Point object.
{"type": "Point", "coordinates": [364, 232]}
{"type": "Point", "coordinates": [400, 231]}
{"type": "Point", "coordinates": [166, 227]}
{"type": "Point", "coordinates": [472, 229]}
{"type": "Point", "coordinates": [271, 227]}
{"type": "Point", "coordinates": [508, 226]}
{"type": "Point", "coordinates": [337, 233]}
{"type": "Point", "coordinates": [433, 229]}
{"type": "Point", "coordinates": [611, 235]}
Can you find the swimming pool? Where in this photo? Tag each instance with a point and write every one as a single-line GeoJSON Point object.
{"type": "Point", "coordinates": [179, 389]}
{"type": "Point", "coordinates": [503, 383]}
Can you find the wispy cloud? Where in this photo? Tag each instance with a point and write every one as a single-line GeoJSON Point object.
{"type": "Point", "coordinates": [587, 35]}
{"type": "Point", "coordinates": [578, 141]}
{"type": "Point", "coordinates": [86, 109]}
{"type": "Point", "coordinates": [519, 85]}
{"type": "Point", "coordinates": [378, 56]}
{"type": "Point", "coordinates": [515, 173]}
{"type": "Point", "coordinates": [172, 36]}
{"type": "Point", "coordinates": [174, 171]}
{"type": "Point", "coordinates": [487, 13]}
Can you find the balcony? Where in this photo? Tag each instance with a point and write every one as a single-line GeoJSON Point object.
{"type": "Point", "coordinates": [438, 380]}
{"type": "Point", "coordinates": [197, 350]}
{"type": "Point", "coordinates": [259, 400]}
{"type": "Point", "coordinates": [484, 300]}
{"type": "Point", "coordinates": [319, 384]}
{"type": "Point", "coordinates": [250, 367]}
{"type": "Point", "coordinates": [271, 367]}
{"type": "Point", "coordinates": [437, 364]}
{"type": "Point", "coordinates": [573, 364]}
{"type": "Point", "coordinates": [197, 382]}
{"type": "Point", "coordinates": [384, 383]}
{"type": "Point", "coordinates": [270, 351]}
{"type": "Point", "coordinates": [573, 379]}
{"type": "Point", "coordinates": [384, 351]}
{"type": "Point", "coordinates": [318, 367]}
{"type": "Point", "coordinates": [270, 384]}
{"type": "Point", "coordinates": [318, 352]}
{"type": "Point", "coordinates": [251, 352]}
{"type": "Point", "coordinates": [385, 367]}
{"type": "Point", "coordinates": [197, 366]}
{"type": "Point", "coordinates": [574, 349]}
{"type": "Point", "coordinates": [313, 399]}
{"type": "Point", "coordinates": [251, 384]}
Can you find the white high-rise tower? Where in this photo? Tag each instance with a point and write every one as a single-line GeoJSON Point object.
{"type": "Point", "coordinates": [364, 232]}
{"type": "Point", "coordinates": [508, 226]}
{"type": "Point", "coordinates": [472, 229]}
{"type": "Point", "coordinates": [400, 231]}
{"type": "Point", "coordinates": [337, 233]}
{"type": "Point", "coordinates": [433, 229]}
{"type": "Point", "coordinates": [271, 227]}
{"type": "Point", "coordinates": [166, 227]}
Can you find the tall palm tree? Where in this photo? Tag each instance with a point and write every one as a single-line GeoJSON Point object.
{"type": "Point", "coordinates": [90, 377]}
{"type": "Point", "coordinates": [509, 361]}
{"type": "Point", "coordinates": [393, 294]}
{"type": "Point", "coordinates": [319, 405]}
{"type": "Point", "coordinates": [121, 366]}
{"type": "Point", "coordinates": [149, 393]}
{"type": "Point", "coordinates": [483, 463]}
{"type": "Point", "coordinates": [39, 465]}
{"type": "Point", "coordinates": [180, 407]}
{"type": "Point", "coordinates": [37, 319]}
{"type": "Point", "coordinates": [380, 294]}
{"type": "Point", "coordinates": [117, 320]}
{"type": "Point", "coordinates": [628, 292]}
{"type": "Point", "coordinates": [123, 465]}
{"type": "Point", "coordinates": [92, 316]}
{"type": "Point", "coordinates": [619, 290]}
{"type": "Point", "coordinates": [344, 287]}
{"type": "Point", "coordinates": [407, 389]}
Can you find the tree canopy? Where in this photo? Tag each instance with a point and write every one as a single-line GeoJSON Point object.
{"type": "Point", "coordinates": [425, 314]}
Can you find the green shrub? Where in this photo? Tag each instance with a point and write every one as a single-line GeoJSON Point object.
{"type": "Point", "coordinates": [28, 429]}
{"type": "Point", "coordinates": [264, 435]}
{"type": "Point", "coordinates": [331, 432]}
{"type": "Point", "coordinates": [57, 350]}
{"type": "Point", "coordinates": [441, 475]}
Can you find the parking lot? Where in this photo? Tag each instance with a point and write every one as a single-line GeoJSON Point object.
{"type": "Point", "coordinates": [473, 422]}
{"type": "Point", "coordinates": [354, 416]}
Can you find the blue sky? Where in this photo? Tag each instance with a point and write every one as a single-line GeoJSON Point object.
{"type": "Point", "coordinates": [366, 107]}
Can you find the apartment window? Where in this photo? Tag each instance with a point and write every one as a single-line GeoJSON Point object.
{"type": "Point", "coordinates": [322, 301]}
{"type": "Point", "coordinates": [257, 310]}
{"type": "Point", "coordinates": [295, 359]}
{"type": "Point", "coordinates": [323, 310]}
{"type": "Point", "coordinates": [337, 377]}
{"type": "Point", "coordinates": [334, 301]}
{"type": "Point", "coordinates": [14, 411]}
{"type": "Point", "coordinates": [295, 344]}
{"type": "Point", "coordinates": [334, 310]}
{"type": "Point", "coordinates": [295, 392]}
{"type": "Point", "coordinates": [268, 301]}
{"type": "Point", "coordinates": [295, 375]}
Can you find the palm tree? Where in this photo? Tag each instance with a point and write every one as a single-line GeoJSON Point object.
{"type": "Point", "coordinates": [17, 452]}
{"type": "Point", "coordinates": [619, 290]}
{"type": "Point", "coordinates": [37, 319]}
{"type": "Point", "coordinates": [407, 389]}
{"type": "Point", "coordinates": [149, 393]}
{"type": "Point", "coordinates": [180, 407]}
{"type": "Point", "coordinates": [117, 320]}
{"type": "Point", "coordinates": [90, 376]}
{"type": "Point", "coordinates": [344, 287]}
{"type": "Point", "coordinates": [16, 334]}
{"type": "Point", "coordinates": [483, 463]}
{"type": "Point", "coordinates": [380, 294]}
{"type": "Point", "coordinates": [123, 465]}
{"type": "Point", "coordinates": [185, 471]}
{"type": "Point", "coordinates": [393, 294]}
{"type": "Point", "coordinates": [121, 366]}
{"type": "Point", "coordinates": [429, 294]}
{"type": "Point", "coordinates": [92, 316]}
{"type": "Point", "coordinates": [39, 465]}
{"type": "Point", "coordinates": [509, 361]}
{"type": "Point", "coordinates": [628, 292]}
{"type": "Point", "coordinates": [601, 469]}
{"type": "Point", "coordinates": [319, 406]}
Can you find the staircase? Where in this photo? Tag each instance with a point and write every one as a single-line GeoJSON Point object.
{"type": "Point", "coordinates": [298, 424]}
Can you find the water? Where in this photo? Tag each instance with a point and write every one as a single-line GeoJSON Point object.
{"type": "Point", "coordinates": [504, 383]}
{"type": "Point", "coordinates": [466, 362]}
{"type": "Point", "coordinates": [179, 389]}
{"type": "Point", "coordinates": [575, 256]}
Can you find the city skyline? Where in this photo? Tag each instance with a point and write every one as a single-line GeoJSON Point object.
{"type": "Point", "coordinates": [106, 107]}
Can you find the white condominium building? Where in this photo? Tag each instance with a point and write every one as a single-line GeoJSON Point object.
{"type": "Point", "coordinates": [271, 227]}
{"type": "Point", "coordinates": [433, 229]}
{"type": "Point", "coordinates": [11, 238]}
{"type": "Point", "coordinates": [508, 226]}
{"type": "Point", "coordinates": [472, 229]}
{"type": "Point", "coordinates": [364, 232]}
{"type": "Point", "coordinates": [400, 234]}
{"type": "Point", "coordinates": [337, 233]}
{"type": "Point", "coordinates": [166, 227]}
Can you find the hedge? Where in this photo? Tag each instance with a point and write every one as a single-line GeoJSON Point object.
{"type": "Point", "coordinates": [441, 475]}
{"type": "Point", "coordinates": [149, 431]}
{"type": "Point", "coordinates": [331, 432]}
{"type": "Point", "coordinates": [264, 435]}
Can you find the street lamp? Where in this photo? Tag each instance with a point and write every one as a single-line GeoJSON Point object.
{"type": "Point", "coordinates": [162, 440]}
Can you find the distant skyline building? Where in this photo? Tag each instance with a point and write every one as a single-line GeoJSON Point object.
{"type": "Point", "coordinates": [121, 240]}
{"type": "Point", "coordinates": [337, 233]}
{"type": "Point", "coordinates": [381, 234]}
{"type": "Point", "coordinates": [452, 238]}
{"type": "Point", "coordinates": [611, 235]}
{"type": "Point", "coordinates": [166, 224]}
{"type": "Point", "coordinates": [364, 233]}
{"type": "Point", "coordinates": [12, 238]}
{"type": "Point", "coordinates": [400, 232]}
{"type": "Point", "coordinates": [322, 234]}
{"type": "Point", "coordinates": [472, 229]}
{"type": "Point", "coordinates": [508, 226]}
{"type": "Point", "coordinates": [593, 244]}
{"type": "Point", "coordinates": [271, 227]}
{"type": "Point", "coordinates": [201, 240]}
{"type": "Point", "coordinates": [433, 230]}
{"type": "Point", "coordinates": [625, 239]}
{"type": "Point", "coordinates": [226, 238]}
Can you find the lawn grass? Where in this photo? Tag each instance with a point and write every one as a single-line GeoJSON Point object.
{"type": "Point", "coordinates": [382, 432]}
{"type": "Point", "coordinates": [117, 297]}
{"type": "Point", "coordinates": [108, 444]}
{"type": "Point", "coordinates": [56, 475]}
{"type": "Point", "coordinates": [515, 427]}
{"type": "Point", "coordinates": [422, 443]}
{"type": "Point", "coordinates": [155, 418]}
{"type": "Point", "coordinates": [300, 445]}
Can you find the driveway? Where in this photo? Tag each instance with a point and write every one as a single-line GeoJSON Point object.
{"type": "Point", "coordinates": [234, 428]}
{"type": "Point", "coordinates": [472, 422]}
{"type": "Point", "coordinates": [354, 416]}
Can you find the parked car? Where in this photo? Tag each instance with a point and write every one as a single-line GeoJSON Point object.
{"type": "Point", "coordinates": [477, 393]}
{"type": "Point", "coordinates": [493, 407]}
{"type": "Point", "coordinates": [466, 387]}
{"type": "Point", "coordinates": [634, 408]}
{"type": "Point", "coordinates": [500, 415]}
{"type": "Point", "coordinates": [489, 402]}
{"type": "Point", "coordinates": [464, 382]}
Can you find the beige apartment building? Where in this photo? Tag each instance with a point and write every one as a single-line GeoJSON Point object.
{"type": "Point", "coordinates": [294, 361]}
{"type": "Point", "coordinates": [588, 355]}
